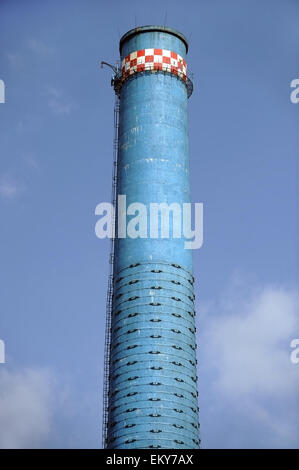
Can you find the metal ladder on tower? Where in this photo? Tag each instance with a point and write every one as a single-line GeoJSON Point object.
{"type": "Point", "coordinates": [109, 301]}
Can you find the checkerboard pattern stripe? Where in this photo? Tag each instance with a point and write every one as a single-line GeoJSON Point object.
{"type": "Point", "coordinates": [154, 59]}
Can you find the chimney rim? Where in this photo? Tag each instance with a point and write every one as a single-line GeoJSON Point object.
{"type": "Point", "coordinates": [148, 28]}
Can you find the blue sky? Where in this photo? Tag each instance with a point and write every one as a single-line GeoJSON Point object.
{"type": "Point", "coordinates": [56, 131]}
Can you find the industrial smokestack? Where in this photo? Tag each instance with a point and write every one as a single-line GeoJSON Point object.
{"type": "Point", "coordinates": [151, 392]}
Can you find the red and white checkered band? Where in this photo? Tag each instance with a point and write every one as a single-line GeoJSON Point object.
{"type": "Point", "coordinates": [154, 59]}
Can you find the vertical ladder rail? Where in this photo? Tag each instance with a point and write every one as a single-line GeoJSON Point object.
{"type": "Point", "coordinates": [109, 300]}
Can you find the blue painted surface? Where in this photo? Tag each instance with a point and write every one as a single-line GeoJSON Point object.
{"type": "Point", "coordinates": [153, 391]}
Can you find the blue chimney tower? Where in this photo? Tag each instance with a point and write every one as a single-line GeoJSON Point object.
{"type": "Point", "coordinates": [150, 399]}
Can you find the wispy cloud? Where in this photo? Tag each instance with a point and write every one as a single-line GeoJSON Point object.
{"type": "Point", "coordinates": [25, 411]}
{"type": "Point", "coordinates": [9, 188]}
{"type": "Point", "coordinates": [38, 47]}
{"type": "Point", "coordinates": [31, 161]}
{"type": "Point", "coordinates": [249, 386]}
{"type": "Point", "coordinates": [58, 103]}
{"type": "Point", "coordinates": [30, 47]}
{"type": "Point", "coordinates": [39, 408]}
{"type": "Point", "coordinates": [61, 108]}
{"type": "Point", "coordinates": [14, 59]}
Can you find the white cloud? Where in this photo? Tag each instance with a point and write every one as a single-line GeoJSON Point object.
{"type": "Point", "coordinates": [31, 161]}
{"type": "Point", "coordinates": [39, 47]}
{"type": "Point", "coordinates": [34, 47]}
{"type": "Point", "coordinates": [25, 411]}
{"type": "Point", "coordinates": [60, 108]}
{"type": "Point", "coordinates": [57, 103]}
{"type": "Point", "coordinates": [9, 188]}
{"type": "Point", "coordinates": [14, 59]}
{"type": "Point", "coordinates": [249, 385]}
